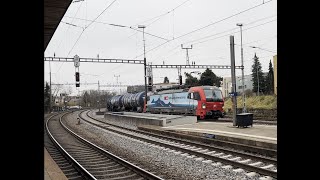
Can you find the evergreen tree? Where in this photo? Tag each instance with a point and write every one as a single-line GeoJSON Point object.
{"type": "Point", "coordinates": [47, 97]}
{"type": "Point", "coordinates": [269, 80]}
{"type": "Point", "coordinates": [166, 80]}
{"type": "Point", "coordinates": [86, 98]}
{"type": "Point", "coordinates": [190, 80]}
{"type": "Point", "coordinates": [257, 75]}
{"type": "Point", "coordinates": [210, 79]}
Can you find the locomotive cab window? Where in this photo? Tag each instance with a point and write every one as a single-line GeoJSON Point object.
{"type": "Point", "coordinates": [213, 95]}
{"type": "Point", "coordinates": [197, 96]}
{"type": "Point", "coordinates": [190, 96]}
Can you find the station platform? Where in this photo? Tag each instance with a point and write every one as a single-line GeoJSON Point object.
{"type": "Point", "coordinates": [264, 136]}
{"type": "Point", "coordinates": [51, 169]}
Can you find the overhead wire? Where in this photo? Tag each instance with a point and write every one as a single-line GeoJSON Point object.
{"type": "Point", "coordinates": [222, 33]}
{"type": "Point", "coordinates": [65, 38]}
{"type": "Point", "coordinates": [205, 26]}
{"type": "Point", "coordinates": [68, 27]}
{"type": "Point", "coordinates": [118, 25]}
{"type": "Point", "coordinates": [158, 17]}
{"type": "Point", "coordinates": [86, 28]}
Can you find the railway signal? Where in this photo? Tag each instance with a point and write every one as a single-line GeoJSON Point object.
{"type": "Point", "coordinates": [77, 79]}
{"type": "Point", "coordinates": [180, 80]}
{"type": "Point", "coordinates": [149, 83]}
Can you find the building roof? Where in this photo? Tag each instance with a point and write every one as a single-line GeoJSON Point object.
{"type": "Point", "coordinates": [54, 10]}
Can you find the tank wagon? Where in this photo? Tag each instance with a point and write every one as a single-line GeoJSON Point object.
{"type": "Point", "coordinates": [126, 102]}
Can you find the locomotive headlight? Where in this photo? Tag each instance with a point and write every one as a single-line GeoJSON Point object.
{"type": "Point", "coordinates": [214, 106]}
{"type": "Point", "coordinates": [203, 105]}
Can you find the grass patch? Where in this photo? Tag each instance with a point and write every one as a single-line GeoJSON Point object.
{"type": "Point", "coordinates": [254, 102]}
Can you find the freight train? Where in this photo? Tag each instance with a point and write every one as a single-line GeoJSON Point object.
{"type": "Point", "coordinates": [126, 102]}
{"type": "Point", "coordinates": [201, 101]}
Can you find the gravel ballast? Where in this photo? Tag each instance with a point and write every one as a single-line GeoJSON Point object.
{"type": "Point", "coordinates": [161, 161]}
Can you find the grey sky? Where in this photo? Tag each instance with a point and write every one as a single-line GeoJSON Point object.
{"type": "Point", "coordinates": [123, 42]}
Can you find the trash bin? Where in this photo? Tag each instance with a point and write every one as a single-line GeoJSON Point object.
{"type": "Point", "coordinates": [244, 119]}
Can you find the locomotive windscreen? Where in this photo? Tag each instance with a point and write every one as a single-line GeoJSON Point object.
{"type": "Point", "coordinates": [213, 95]}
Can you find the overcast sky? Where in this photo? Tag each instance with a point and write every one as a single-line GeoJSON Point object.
{"type": "Point", "coordinates": [173, 23]}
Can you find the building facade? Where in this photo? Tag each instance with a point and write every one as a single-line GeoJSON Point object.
{"type": "Point", "coordinates": [227, 84]}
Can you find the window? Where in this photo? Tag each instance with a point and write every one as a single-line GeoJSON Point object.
{"type": "Point", "coordinates": [213, 95]}
{"type": "Point", "coordinates": [197, 96]}
{"type": "Point", "coordinates": [190, 96]}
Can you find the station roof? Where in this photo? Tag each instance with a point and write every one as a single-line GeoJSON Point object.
{"type": "Point", "coordinates": [54, 10]}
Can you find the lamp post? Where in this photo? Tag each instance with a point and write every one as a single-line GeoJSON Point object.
{"type": "Point", "coordinates": [145, 64]}
{"type": "Point", "coordinates": [242, 72]}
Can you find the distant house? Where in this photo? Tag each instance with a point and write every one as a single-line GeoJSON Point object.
{"type": "Point", "coordinates": [227, 84]}
{"type": "Point", "coordinates": [163, 85]}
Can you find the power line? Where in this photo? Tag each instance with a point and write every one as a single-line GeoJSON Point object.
{"type": "Point", "coordinates": [150, 34]}
{"type": "Point", "coordinates": [222, 19]}
{"type": "Point", "coordinates": [159, 16]}
{"type": "Point", "coordinates": [72, 24]}
{"type": "Point", "coordinates": [118, 25]}
{"type": "Point", "coordinates": [68, 26]}
{"type": "Point", "coordinates": [222, 35]}
{"type": "Point", "coordinates": [235, 32]}
{"type": "Point", "coordinates": [90, 24]}
{"type": "Point", "coordinates": [85, 29]}
{"type": "Point", "coordinates": [229, 29]}
{"type": "Point", "coordinates": [207, 26]}
{"type": "Point", "coordinates": [102, 12]}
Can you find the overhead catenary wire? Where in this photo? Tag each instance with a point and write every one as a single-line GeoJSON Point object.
{"type": "Point", "coordinates": [89, 25]}
{"type": "Point", "coordinates": [68, 27]}
{"type": "Point", "coordinates": [122, 26]}
{"type": "Point", "coordinates": [86, 28]}
{"type": "Point", "coordinates": [195, 41]}
{"type": "Point", "coordinates": [158, 17]}
{"type": "Point", "coordinates": [223, 19]}
{"type": "Point", "coordinates": [163, 14]}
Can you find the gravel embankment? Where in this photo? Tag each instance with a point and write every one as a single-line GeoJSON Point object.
{"type": "Point", "coordinates": [165, 163]}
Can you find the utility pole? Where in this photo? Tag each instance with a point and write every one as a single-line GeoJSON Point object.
{"type": "Point", "coordinates": [117, 77]}
{"type": "Point", "coordinates": [117, 82]}
{"type": "Point", "coordinates": [145, 64]}
{"type": "Point", "coordinates": [99, 95]}
{"type": "Point", "coordinates": [50, 89]}
{"type": "Point", "coordinates": [233, 77]}
{"type": "Point", "coordinates": [242, 69]}
{"type": "Point", "coordinates": [187, 53]}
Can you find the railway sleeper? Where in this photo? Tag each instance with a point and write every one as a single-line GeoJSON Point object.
{"type": "Point", "coordinates": [104, 168]}
{"type": "Point", "coordinates": [120, 174]}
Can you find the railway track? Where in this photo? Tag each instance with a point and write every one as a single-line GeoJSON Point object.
{"type": "Point", "coordinates": [236, 160]}
{"type": "Point", "coordinates": [67, 168]}
{"type": "Point", "coordinates": [89, 160]}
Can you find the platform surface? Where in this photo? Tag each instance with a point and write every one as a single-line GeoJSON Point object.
{"type": "Point", "coordinates": [264, 133]}
{"type": "Point", "coordinates": [51, 169]}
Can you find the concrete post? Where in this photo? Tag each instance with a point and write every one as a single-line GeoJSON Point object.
{"type": "Point", "coordinates": [233, 78]}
